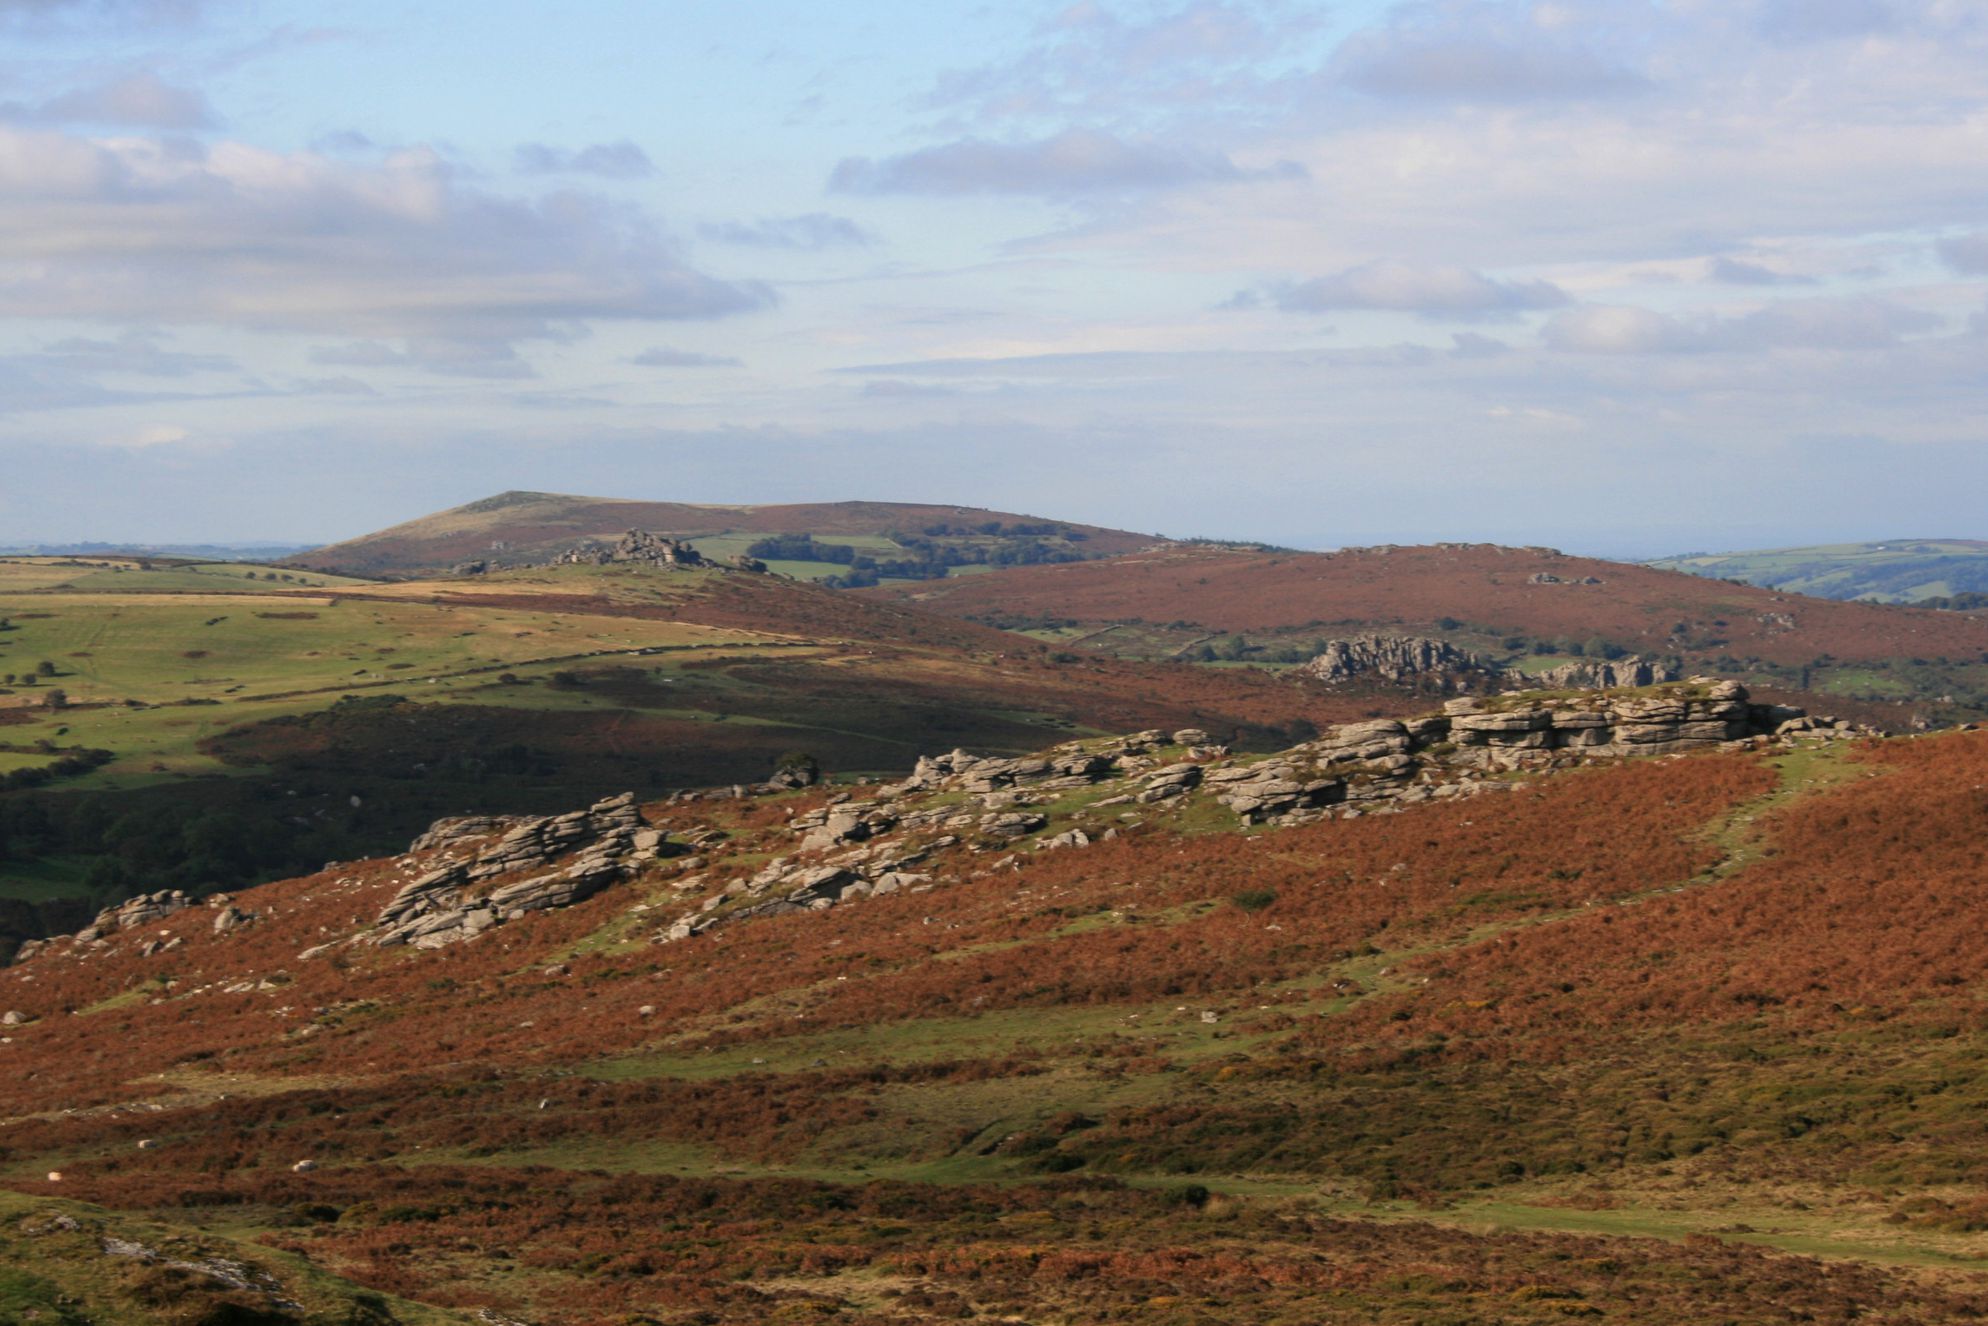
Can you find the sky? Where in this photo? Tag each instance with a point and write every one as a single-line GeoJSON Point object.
{"type": "Point", "coordinates": [1626, 277]}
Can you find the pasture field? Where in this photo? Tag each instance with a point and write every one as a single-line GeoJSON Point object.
{"type": "Point", "coordinates": [109, 648]}
{"type": "Point", "coordinates": [1891, 571]}
{"type": "Point", "coordinates": [141, 575]}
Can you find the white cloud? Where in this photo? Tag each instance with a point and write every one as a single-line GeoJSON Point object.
{"type": "Point", "coordinates": [1738, 271]}
{"type": "Point", "coordinates": [1477, 69]}
{"type": "Point", "coordinates": [1154, 65]}
{"type": "Point", "coordinates": [609, 161]}
{"type": "Point", "coordinates": [142, 99]}
{"type": "Point", "coordinates": [1074, 162]}
{"type": "Point", "coordinates": [134, 352]}
{"type": "Point", "coordinates": [451, 356]}
{"type": "Point", "coordinates": [158, 435]}
{"type": "Point", "coordinates": [811, 232]}
{"type": "Point", "coordinates": [167, 231]}
{"type": "Point", "coordinates": [1823, 20]}
{"type": "Point", "coordinates": [1813, 324]}
{"type": "Point", "coordinates": [334, 386]}
{"type": "Point", "coordinates": [663, 356]}
{"type": "Point", "coordinates": [50, 17]}
{"type": "Point", "coordinates": [1407, 287]}
{"type": "Point", "coordinates": [1967, 253]}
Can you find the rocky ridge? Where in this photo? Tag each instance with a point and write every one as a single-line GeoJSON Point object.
{"type": "Point", "coordinates": [960, 815]}
{"type": "Point", "coordinates": [857, 848]}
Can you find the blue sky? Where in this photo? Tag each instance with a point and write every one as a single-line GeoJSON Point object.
{"type": "Point", "coordinates": [1623, 276]}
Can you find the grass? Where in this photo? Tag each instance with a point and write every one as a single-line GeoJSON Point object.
{"type": "Point", "coordinates": [245, 658]}
{"type": "Point", "coordinates": [1898, 570]}
{"type": "Point", "coordinates": [43, 880]}
{"type": "Point", "coordinates": [1867, 682]}
{"type": "Point", "coordinates": [128, 575]}
{"type": "Point", "coordinates": [158, 650]}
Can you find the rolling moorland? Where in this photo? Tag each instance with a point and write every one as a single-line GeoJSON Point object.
{"type": "Point", "coordinates": [211, 725]}
{"type": "Point", "coordinates": [1309, 1002]}
{"type": "Point", "coordinates": [1677, 1039]}
{"type": "Point", "coordinates": [1532, 608]}
{"type": "Point", "coordinates": [1945, 572]}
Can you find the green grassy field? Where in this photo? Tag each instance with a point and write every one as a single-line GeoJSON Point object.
{"type": "Point", "coordinates": [116, 647]}
{"type": "Point", "coordinates": [1893, 571]}
{"type": "Point", "coordinates": [43, 881]}
{"type": "Point", "coordinates": [129, 575]}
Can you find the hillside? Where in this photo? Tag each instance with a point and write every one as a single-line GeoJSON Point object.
{"type": "Point", "coordinates": [522, 527]}
{"type": "Point", "coordinates": [1652, 1041]}
{"type": "Point", "coordinates": [1532, 607]}
{"type": "Point", "coordinates": [1894, 571]}
{"type": "Point", "coordinates": [206, 727]}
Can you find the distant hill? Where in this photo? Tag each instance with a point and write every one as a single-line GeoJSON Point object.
{"type": "Point", "coordinates": [1529, 607]}
{"type": "Point", "coordinates": [204, 552]}
{"type": "Point", "coordinates": [1891, 571]}
{"type": "Point", "coordinates": [525, 527]}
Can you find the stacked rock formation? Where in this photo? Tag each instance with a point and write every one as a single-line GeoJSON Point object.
{"type": "Point", "coordinates": [1395, 658]}
{"type": "Point", "coordinates": [636, 547]}
{"type": "Point", "coordinates": [1689, 718]}
{"type": "Point", "coordinates": [457, 899]}
{"type": "Point", "coordinates": [1630, 670]}
{"type": "Point", "coordinates": [1423, 661]}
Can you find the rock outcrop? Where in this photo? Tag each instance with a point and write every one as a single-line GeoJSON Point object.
{"type": "Point", "coordinates": [1608, 674]}
{"type": "Point", "coordinates": [134, 912]}
{"type": "Point", "coordinates": [459, 898]}
{"type": "Point", "coordinates": [1413, 660]}
{"type": "Point", "coordinates": [1396, 658]}
{"type": "Point", "coordinates": [127, 915]}
{"type": "Point", "coordinates": [636, 547]}
{"type": "Point", "coordinates": [964, 816]}
{"type": "Point", "coordinates": [959, 802]}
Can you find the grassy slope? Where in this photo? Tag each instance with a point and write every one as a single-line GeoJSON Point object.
{"type": "Point", "coordinates": [1894, 571]}
{"type": "Point", "coordinates": [1595, 1048]}
{"type": "Point", "coordinates": [198, 665]}
{"type": "Point", "coordinates": [151, 575]}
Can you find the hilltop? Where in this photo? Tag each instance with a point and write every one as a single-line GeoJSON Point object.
{"type": "Point", "coordinates": [1463, 1018]}
{"type": "Point", "coordinates": [1891, 571]}
{"type": "Point", "coordinates": [1531, 607]}
{"type": "Point", "coordinates": [517, 528]}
